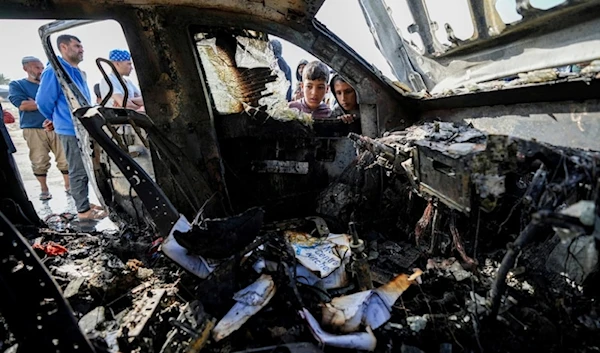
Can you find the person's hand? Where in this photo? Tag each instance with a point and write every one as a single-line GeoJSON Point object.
{"type": "Point", "coordinates": [347, 118]}
{"type": "Point", "coordinates": [7, 117]}
{"type": "Point", "coordinates": [48, 125]}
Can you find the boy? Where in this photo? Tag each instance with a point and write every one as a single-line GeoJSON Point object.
{"type": "Point", "coordinates": [314, 86]}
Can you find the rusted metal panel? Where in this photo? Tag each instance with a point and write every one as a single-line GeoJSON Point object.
{"type": "Point", "coordinates": [280, 11]}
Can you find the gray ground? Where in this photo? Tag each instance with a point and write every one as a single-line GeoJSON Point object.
{"type": "Point", "coordinates": [60, 202]}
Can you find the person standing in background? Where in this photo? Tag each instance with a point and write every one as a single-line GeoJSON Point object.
{"type": "Point", "coordinates": [121, 59]}
{"type": "Point", "coordinates": [52, 103]}
{"type": "Point", "coordinates": [37, 130]}
{"type": "Point", "coordinates": [283, 66]}
{"type": "Point", "coordinates": [298, 94]}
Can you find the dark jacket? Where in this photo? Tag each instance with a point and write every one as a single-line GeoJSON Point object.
{"type": "Point", "coordinates": [283, 66]}
{"type": "Point", "coordinates": [298, 91]}
{"type": "Point", "coordinates": [339, 111]}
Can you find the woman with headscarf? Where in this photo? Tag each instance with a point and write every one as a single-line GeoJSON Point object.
{"type": "Point", "coordinates": [347, 108]}
{"type": "Point", "coordinates": [298, 91]}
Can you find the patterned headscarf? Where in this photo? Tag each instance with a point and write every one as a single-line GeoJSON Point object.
{"type": "Point", "coordinates": [119, 55]}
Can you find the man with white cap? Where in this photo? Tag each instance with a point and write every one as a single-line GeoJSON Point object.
{"type": "Point", "coordinates": [122, 61]}
{"type": "Point", "coordinates": [37, 130]}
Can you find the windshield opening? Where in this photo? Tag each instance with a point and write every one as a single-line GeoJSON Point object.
{"type": "Point", "coordinates": [546, 4]}
{"type": "Point", "coordinates": [508, 11]}
{"type": "Point", "coordinates": [350, 25]}
{"type": "Point", "coordinates": [400, 13]}
{"type": "Point", "coordinates": [452, 13]}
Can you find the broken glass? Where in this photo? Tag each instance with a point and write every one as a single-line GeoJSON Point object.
{"type": "Point", "coordinates": [244, 76]}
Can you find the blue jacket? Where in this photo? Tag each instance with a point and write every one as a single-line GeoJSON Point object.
{"type": "Point", "coordinates": [283, 66]}
{"type": "Point", "coordinates": [52, 102]}
{"type": "Point", "coordinates": [22, 90]}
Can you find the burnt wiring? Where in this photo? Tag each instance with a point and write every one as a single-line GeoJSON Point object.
{"type": "Point", "coordinates": [554, 195]}
{"type": "Point", "coordinates": [514, 249]}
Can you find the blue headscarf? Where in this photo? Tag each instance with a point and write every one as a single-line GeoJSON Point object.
{"type": "Point", "coordinates": [119, 55]}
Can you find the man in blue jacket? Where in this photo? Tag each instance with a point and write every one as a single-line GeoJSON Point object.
{"type": "Point", "coordinates": [52, 103]}
{"type": "Point", "coordinates": [39, 140]}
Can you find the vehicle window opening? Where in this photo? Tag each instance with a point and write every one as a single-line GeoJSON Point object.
{"type": "Point", "coordinates": [264, 138]}
{"type": "Point", "coordinates": [508, 11]}
{"type": "Point", "coordinates": [546, 4]}
{"type": "Point", "coordinates": [452, 18]}
{"type": "Point", "coordinates": [243, 75]}
{"type": "Point", "coordinates": [106, 178]}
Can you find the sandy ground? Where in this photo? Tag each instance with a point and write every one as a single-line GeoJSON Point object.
{"type": "Point", "coordinates": [60, 202]}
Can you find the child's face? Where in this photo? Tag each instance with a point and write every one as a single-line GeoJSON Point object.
{"type": "Point", "coordinates": [314, 92]}
{"type": "Point", "coordinates": [301, 69]}
{"type": "Point", "coordinates": [345, 95]}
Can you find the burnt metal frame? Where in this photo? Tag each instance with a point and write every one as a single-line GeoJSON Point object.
{"type": "Point", "coordinates": [488, 26]}
{"type": "Point", "coordinates": [31, 301]}
{"type": "Point", "coordinates": [521, 45]}
{"type": "Point", "coordinates": [392, 46]}
{"type": "Point", "coordinates": [161, 210]}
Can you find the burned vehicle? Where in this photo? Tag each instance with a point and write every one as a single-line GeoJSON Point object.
{"type": "Point", "coordinates": [462, 217]}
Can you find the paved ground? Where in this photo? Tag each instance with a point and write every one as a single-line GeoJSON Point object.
{"type": "Point", "coordinates": [60, 202]}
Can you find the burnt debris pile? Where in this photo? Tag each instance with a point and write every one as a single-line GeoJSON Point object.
{"type": "Point", "coordinates": [438, 238]}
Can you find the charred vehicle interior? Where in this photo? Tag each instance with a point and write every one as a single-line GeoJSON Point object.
{"type": "Point", "coordinates": [460, 214]}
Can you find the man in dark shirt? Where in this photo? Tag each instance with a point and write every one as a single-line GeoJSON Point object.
{"type": "Point", "coordinates": [37, 131]}
{"type": "Point", "coordinates": [283, 66]}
